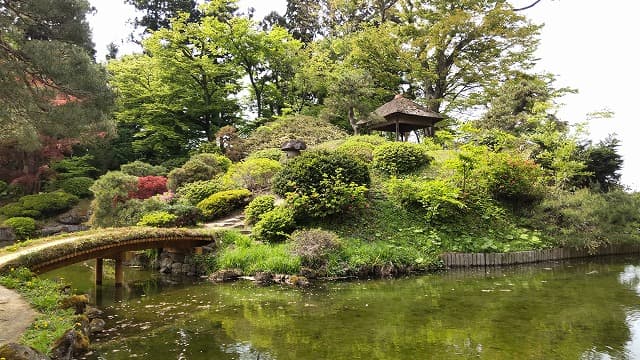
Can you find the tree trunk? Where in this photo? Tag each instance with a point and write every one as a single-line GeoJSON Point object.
{"type": "Point", "coordinates": [352, 120]}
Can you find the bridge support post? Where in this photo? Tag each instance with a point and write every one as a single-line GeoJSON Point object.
{"type": "Point", "coordinates": [99, 271]}
{"type": "Point", "coordinates": [119, 270]}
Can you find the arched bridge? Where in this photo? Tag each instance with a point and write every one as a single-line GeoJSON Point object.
{"type": "Point", "coordinates": [46, 254]}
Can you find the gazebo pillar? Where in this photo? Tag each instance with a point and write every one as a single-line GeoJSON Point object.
{"type": "Point", "coordinates": [397, 131]}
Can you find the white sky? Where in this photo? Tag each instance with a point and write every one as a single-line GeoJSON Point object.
{"type": "Point", "coordinates": [590, 45]}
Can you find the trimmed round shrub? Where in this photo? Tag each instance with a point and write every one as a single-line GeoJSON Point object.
{"type": "Point", "coordinates": [23, 227]}
{"type": "Point", "coordinates": [253, 174]}
{"type": "Point", "coordinates": [140, 168]}
{"type": "Point", "coordinates": [223, 203]}
{"type": "Point", "coordinates": [514, 179]}
{"type": "Point", "coordinates": [78, 186]}
{"type": "Point", "coordinates": [306, 172]}
{"type": "Point", "coordinates": [187, 214]}
{"type": "Point", "coordinates": [361, 150]}
{"type": "Point", "coordinates": [258, 207]}
{"type": "Point", "coordinates": [275, 225]}
{"type": "Point", "coordinates": [273, 154]}
{"type": "Point", "coordinates": [199, 190]}
{"type": "Point", "coordinates": [399, 158]}
{"type": "Point", "coordinates": [158, 219]}
{"type": "Point", "coordinates": [199, 167]}
{"type": "Point", "coordinates": [314, 246]}
{"type": "Point", "coordinates": [49, 203]}
{"type": "Point", "coordinates": [374, 140]}
{"type": "Point", "coordinates": [17, 210]}
{"type": "Point", "coordinates": [110, 191]}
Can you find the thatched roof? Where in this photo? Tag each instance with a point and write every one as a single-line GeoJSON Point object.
{"type": "Point", "coordinates": [402, 105]}
{"type": "Point", "coordinates": [403, 115]}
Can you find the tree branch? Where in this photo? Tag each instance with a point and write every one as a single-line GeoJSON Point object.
{"type": "Point", "coordinates": [528, 6]}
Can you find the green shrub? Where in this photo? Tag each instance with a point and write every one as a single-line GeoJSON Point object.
{"type": "Point", "coordinates": [186, 214]}
{"type": "Point", "coordinates": [257, 207]}
{"type": "Point", "coordinates": [23, 227]}
{"type": "Point", "coordinates": [374, 140]}
{"type": "Point", "coordinates": [199, 167]}
{"type": "Point", "coordinates": [209, 147]}
{"type": "Point", "coordinates": [75, 166]}
{"type": "Point", "coordinates": [78, 186]}
{"type": "Point", "coordinates": [131, 212]}
{"type": "Point", "coordinates": [514, 179]}
{"type": "Point", "coordinates": [311, 130]}
{"type": "Point", "coordinates": [197, 191]}
{"type": "Point", "coordinates": [305, 173]}
{"type": "Point", "coordinates": [110, 192]}
{"type": "Point", "coordinates": [223, 203]}
{"type": "Point", "coordinates": [49, 203]}
{"type": "Point", "coordinates": [3, 186]}
{"type": "Point", "coordinates": [363, 151]}
{"type": "Point", "coordinates": [314, 246]}
{"type": "Point", "coordinates": [273, 154]}
{"type": "Point", "coordinates": [140, 169]}
{"type": "Point", "coordinates": [332, 196]}
{"type": "Point", "coordinates": [158, 219]}
{"type": "Point", "coordinates": [253, 174]}
{"type": "Point", "coordinates": [17, 210]}
{"type": "Point", "coordinates": [437, 198]}
{"type": "Point", "coordinates": [396, 158]}
{"type": "Point", "coordinates": [275, 225]}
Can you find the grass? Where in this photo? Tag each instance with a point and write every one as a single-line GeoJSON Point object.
{"type": "Point", "coordinates": [252, 257]}
{"type": "Point", "coordinates": [45, 297]}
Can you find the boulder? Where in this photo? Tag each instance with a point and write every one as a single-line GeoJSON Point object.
{"type": "Point", "coordinates": [263, 278]}
{"type": "Point", "coordinates": [78, 302]}
{"type": "Point", "coordinates": [97, 325]}
{"type": "Point", "coordinates": [72, 345]}
{"type": "Point", "coordinates": [92, 312]}
{"type": "Point", "coordinates": [225, 275]}
{"type": "Point", "coordinates": [13, 351]}
{"type": "Point", "coordinates": [72, 217]}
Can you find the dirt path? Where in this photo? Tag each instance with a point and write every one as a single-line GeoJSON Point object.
{"type": "Point", "coordinates": [15, 316]}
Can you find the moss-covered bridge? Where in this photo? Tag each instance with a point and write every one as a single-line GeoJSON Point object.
{"type": "Point", "coordinates": [50, 253]}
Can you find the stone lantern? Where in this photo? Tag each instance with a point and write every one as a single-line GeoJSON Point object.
{"type": "Point", "coordinates": [293, 147]}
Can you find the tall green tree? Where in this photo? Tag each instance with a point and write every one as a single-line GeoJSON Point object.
{"type": "Point", "coordinates": [181, 90]}
{"type": "Point", "coordinates": [51, 89]}
{"type": "Point", "coordinates": [157, 14]}
{"type": "Point", "coordinates": [462, 47]}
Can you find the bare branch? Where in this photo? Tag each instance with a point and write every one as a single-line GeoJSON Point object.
{"type": "Point", "coordinates": [528, 6]}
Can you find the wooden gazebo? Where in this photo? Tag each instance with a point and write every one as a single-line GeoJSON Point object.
{"type": "Point", "coordinates": [402, 116]}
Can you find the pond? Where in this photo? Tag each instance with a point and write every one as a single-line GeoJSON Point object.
{"type": "Point", "coordinates": [566, 310]}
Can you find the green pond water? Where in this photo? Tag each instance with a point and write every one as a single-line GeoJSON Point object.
{"type": "Point", "coordinates": [568, 310]}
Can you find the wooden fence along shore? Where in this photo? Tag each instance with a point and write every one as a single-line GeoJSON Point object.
{"type": "Point", "coordinates": [533, 256]}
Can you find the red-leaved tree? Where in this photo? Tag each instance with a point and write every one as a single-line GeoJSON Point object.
{"type": "Point", "coordinates": [149, 186]}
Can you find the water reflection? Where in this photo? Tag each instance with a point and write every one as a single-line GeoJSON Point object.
{"type": "Point", "coordinates": [587, 310]}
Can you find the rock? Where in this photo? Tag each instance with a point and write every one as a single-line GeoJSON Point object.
{"type": "Point", "coordinates": [78, 302]}
{"type": "Point", "coordinates": [71, 345]}
{"type": "Point", "coordinates": [7, 234]}
{"type": "Point", "coordinates": [92, 312]}
{"type": "Point", "coordinates": [72, 217]}
{"type": "Point", "coordinates": [263, 278]}
{"type": "Point", "coordinates": [225, 275]}
{"type": "Point", "coordinates": [97, 325]}
{"type": "Point", "coordinates": [308, 273]}
{"type": "Point", "coordinates": [186, 268]}
{"type": "Point", "coordinates": [13, 351]}
{"type": "Point", "coordinates": [176, 268]}
{"type": "Point", "coordinates": [299, 281]}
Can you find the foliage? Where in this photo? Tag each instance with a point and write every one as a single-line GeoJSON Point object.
{"type": "Point", "coordinates": [181, 87]}
{"type": "Point", "coordinates": [603, 163]}
{"type": "Point", "coordinates": [196, 191]}
{"type": "Point", "coordinates": [305, 173]}
{"type": "Point", "coordinates": [437, 198]}
{"type": "Point", "coordinates": [40, 205]}
{"type": "Point", "coordinates": [333, 195]}
{"type": "Point", "coordinates": [158, 13]}
{"type": "Point", "coordinates": [110, 191]}
{"type": "Point", "coordinates": [45, 296]}
{"type": "Point", "coordinates": [131, 211]}
{"type": "Point", "coordinates": [223, 203]}
{"type": "Point", "coordinates": [75, 166]}
{"type": "Point", "coordinates": [314, 246]}
{"type": "Point", "coordinates": [361, 150]}
{"type": "Point", "coordinates": [258, 207]}
{"type": "Point", "coordinates": [78, 186]}
{"type": "Point", "coordinates": [253, 257]}
{"type": "Point", "coordinates": [158, 219]}
{"type": "Point", "coordinates": [149, 186]}
{"type": "Point", "coordinates": [47, 101]}
{"type": "Point", "coordinates": [253, 174]}
{"type": "Point", "coordinates": [273, 134]}
{"type": "Point", "coordinates": [3, 187]}
{"type": "Point", "coordinates": [186, 213]}
{"type": "Point", "coordinates": [275, 225]}
{"type": "Point", "coordinates": [140, 169]}
{"type": "Point", "coordinates": [23, 227]}
{"type": "Point", "coordinates": [272, 154]}
{"type": "Point", "coordinates": [199, 167]}
{"type": "Point", "coordinates": [515, 180]}
{"type": "Point", "coordinates": [396, 158]}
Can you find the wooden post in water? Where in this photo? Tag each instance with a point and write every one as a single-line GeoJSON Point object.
{"type": "Point", "coordinates": [98, 271]}
{"type": "Point", "coordinates": [119, 270]}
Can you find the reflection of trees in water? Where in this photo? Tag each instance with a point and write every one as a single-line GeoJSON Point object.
{"type": "Point", "coordinates": [630, 277]}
